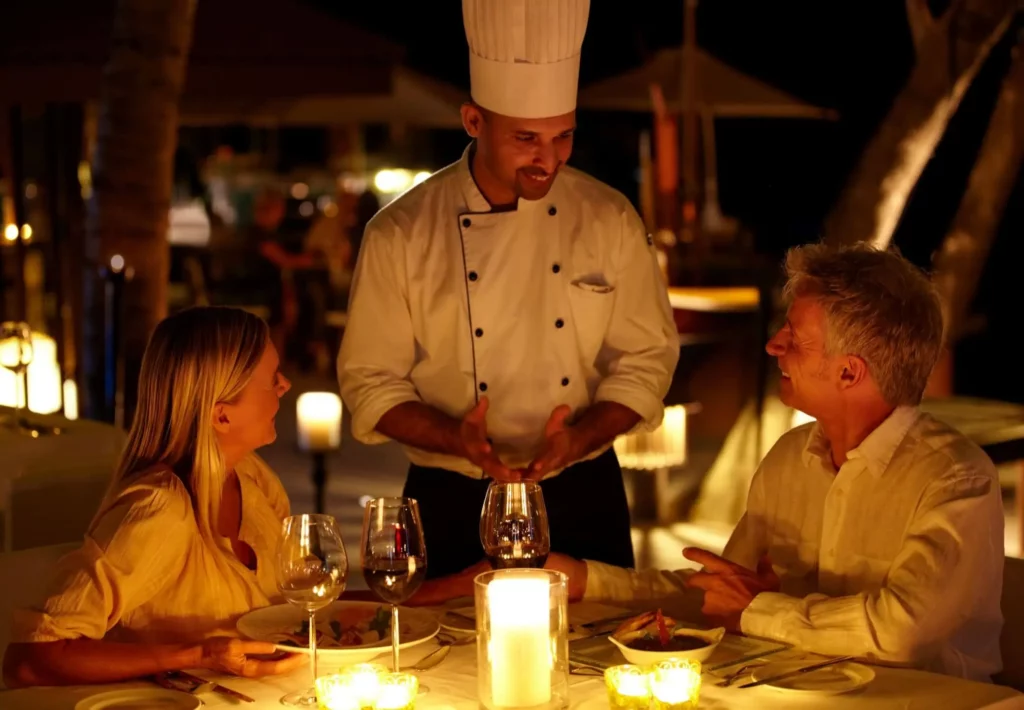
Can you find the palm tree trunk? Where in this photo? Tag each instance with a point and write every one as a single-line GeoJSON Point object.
{"type": "Point", "coordinates": [960, 260]}
{"type": "Point", "coordinates": [949, 51]}
{"type": "Point", "coordinates": [132, 176]}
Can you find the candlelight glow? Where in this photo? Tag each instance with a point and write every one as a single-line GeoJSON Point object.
{"type": "Point", "coordinates": [397, 691]}
{"type": "Point", "coordinates": [628, 687]}
{"type": "Point", "coordinates": [354, 688]}
{"type": "Point", "coordinates": [44, 377]}
{"type": "Point", "coordinates": [664, 447]}
{"type": "Point", "coordinates": [319, 421]}
{"type": "Point", "coordinates": [675, 685]}
{"type": "Point", "coordinates": [11, 232]}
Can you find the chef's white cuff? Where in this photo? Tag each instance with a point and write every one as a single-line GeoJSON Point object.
{"type": "Point", "coordinates": [366, 415]}
{"type": "Point", "coordinates": [650, 408]}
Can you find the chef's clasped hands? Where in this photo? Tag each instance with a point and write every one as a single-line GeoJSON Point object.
{"type": "Point", "coordinates": [561, 447]}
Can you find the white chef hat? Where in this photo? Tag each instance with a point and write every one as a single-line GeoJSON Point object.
{"type": "Point", "coordinates": [524, 55]}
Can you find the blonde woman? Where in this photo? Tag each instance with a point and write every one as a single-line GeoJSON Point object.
{"type": "Point", "coordinates": [183, 541]}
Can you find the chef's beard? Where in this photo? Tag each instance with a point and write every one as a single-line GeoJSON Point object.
{"type": "Point", "coordinates": [530, 189]}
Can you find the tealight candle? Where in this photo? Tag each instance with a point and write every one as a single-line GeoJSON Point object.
{"type": "Point", "coordinates": [354, 688]}
{"type": "Point", "coordinates": [675, 684]}
{"type": "Point", "coordinates": [628, 687]}
{"type": "Point", "coordinates": [397, 691]}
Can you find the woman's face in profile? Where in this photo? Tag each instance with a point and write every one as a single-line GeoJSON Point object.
{"type": "Point", "coordinates": [251, 416]}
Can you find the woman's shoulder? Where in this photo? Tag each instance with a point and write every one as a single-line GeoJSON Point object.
{"type": "Point", "coordinates": [153, 493]}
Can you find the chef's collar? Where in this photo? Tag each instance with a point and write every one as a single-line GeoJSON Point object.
{"type": "Point", "coordinates": [475, 201]}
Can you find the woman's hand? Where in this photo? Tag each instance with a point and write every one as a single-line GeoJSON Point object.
{"type": "Point", "coordinates": [230, 655]}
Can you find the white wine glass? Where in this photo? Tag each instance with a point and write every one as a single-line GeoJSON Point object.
{"type": "Point", "coordinates": [514, 528]}
{"type": "Point", "coordinates": [16, 355]}
{"type": "Point", "coordinates": [394, 556]}
{"type": "Point", "coordinates": [312, 570]}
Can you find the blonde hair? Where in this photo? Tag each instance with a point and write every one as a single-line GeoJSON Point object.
{"type": "Point", "coordinates": [878, 306]}
{"type": "Point", "coordinates": [195, 359]}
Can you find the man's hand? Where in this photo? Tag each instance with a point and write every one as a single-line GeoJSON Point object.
{"type": "Point", "coordinates": [561, 447]}
{"type": "Point", "coordinates": [435, 592]}
{"type": "Point", "coordinates": [477, 449]}
{"type": "Point", "coordinates": [729, 588]}
{"type": "Point", "coordinates": [230, 655]}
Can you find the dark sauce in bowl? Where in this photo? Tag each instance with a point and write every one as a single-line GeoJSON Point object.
{"type": "Point", "coordinates": [676, 643]}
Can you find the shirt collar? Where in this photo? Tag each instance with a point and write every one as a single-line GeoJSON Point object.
{"type": "Point", "coordinates": [876, 450]}
{"type": "Point", "coordinates": [474, 200]}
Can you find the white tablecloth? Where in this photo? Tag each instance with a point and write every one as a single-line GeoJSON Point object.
{"type": "Point", "coordinates": [453, 686]}
{"type": "Point", "coordinates": [51, 486]}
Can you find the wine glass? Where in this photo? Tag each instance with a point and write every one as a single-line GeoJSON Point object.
{"type": "Point", "coordinates": [514, 525]}
{"type": "Point", "coordinates": [312, 570]}
{"type": "Point", "coordinates": [394, 555]}
{"type": "Point", "coordinates": [16, 355]}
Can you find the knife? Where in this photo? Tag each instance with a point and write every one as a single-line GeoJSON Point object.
{"type": "Point", "coordinates": [215, 687]}
{"type": "Point", "coordinates": [799, 671]}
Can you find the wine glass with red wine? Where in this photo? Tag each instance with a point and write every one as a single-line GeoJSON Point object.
{"type": "Point", "coordinates": [394, 555]}
{"type": "Point", "coordinates": [514, 526]}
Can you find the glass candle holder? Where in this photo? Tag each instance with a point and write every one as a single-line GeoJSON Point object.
{"type": "Point", "coordinates": [397, 691]}
{"type": "Point", "coordinates": [522, 625]}
{"type": "Point", "coordinates": [675, 684]}
{"type": "Point", "coordinates": [354, 688]}
{"type": "Point", "coordinates": [628, 687]}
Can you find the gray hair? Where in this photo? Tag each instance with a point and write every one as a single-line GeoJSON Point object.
{"type": "Point", "coordinates": [878, 306]}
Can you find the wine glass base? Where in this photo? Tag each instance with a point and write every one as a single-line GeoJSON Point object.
{"type": "Point", "coordinates": [31, 430]}
{"type": "Point", "coordinates": [301, 699]}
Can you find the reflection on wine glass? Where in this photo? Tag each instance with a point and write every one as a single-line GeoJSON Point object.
{"type": "Point", "coordinates": [514, 525]}
{"type": "Point", "coordinates": [394, 556]}
{"type": "Point", "coordinates": [312, 569]}
{"type": "Point", "coordinates": [16, 355]}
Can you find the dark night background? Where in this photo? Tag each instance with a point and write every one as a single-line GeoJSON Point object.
{"type": "Point", "coordinates": [779, 177]}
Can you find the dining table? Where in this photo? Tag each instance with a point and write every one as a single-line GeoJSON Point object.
{"type": "Point", "coordinates": [51, 485]}
{"type": "Point", "coordinates": [452, 684]}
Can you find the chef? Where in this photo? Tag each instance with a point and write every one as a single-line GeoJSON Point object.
{"type": "Point", "coordinates": [507, 317]}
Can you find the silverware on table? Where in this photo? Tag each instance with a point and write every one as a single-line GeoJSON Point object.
{"type": "Point", "coordinates": [445, 644]}
{"type": "Point", "coordinates": [799, 671]}
{"type": "Point", "coordinates": [194, 685]}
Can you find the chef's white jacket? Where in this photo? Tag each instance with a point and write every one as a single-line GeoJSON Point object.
{"type": "Point", "coordinates": [559, 301]}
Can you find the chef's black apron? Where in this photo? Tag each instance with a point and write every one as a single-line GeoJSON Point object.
{"type": "Point", "coordinates": [586, 503]}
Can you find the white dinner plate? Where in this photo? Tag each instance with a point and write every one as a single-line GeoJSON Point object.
{"type": "Point", "coordinates": [830, 680]}
{"type": "Point", "coordinates": [263, 624]}
{"type": "Point", "coordinates": [140, 699]}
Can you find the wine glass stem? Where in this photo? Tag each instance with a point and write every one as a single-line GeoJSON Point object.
{"type": "Point", "coordinates": [394, 637]}
{"type": "Point", "coordinates": [22, 401]}
{"type": "Point", "coordinates": [312, 644]}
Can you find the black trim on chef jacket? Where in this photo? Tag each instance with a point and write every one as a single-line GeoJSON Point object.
{"type": "Point", "coordinates": [587, 507]}
{"type": "Point", "coordinates": [465, 223]}
{"type": "Point", "coordinates": [587, 512]}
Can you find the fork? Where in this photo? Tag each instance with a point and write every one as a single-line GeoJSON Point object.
{"type": "Point", "coordinates": [736, 675]}
{"type": "Point", "coordinates": [446, 642]}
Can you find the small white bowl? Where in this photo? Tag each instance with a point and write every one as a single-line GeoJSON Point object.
{"type": "Point", "coordinates": [648, 658]}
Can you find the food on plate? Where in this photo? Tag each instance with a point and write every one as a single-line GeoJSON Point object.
{"type": "Point", "coordinates": [653, 631]}
{"type": "Point", "coordinates": [346, 627]}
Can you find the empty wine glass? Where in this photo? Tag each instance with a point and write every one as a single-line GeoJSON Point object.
{"type": "Point", "coordinates": [16, 355]}
{"type": "Point", "coordinates": [514, 525]}
{"type": "Point", "coordinates": [394, 555]}
{"type": "Point", "coordinates": [312, 570]}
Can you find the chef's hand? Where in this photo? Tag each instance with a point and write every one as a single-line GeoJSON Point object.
{"type": "Point", "coordinates": [560, 446]}
{"type": "Point", "coordinates": [477, 449]}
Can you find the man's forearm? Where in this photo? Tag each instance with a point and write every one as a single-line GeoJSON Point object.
{"type": "Point", "coordinates": [422, 427]}
{"type": "Point", "coordinates": [601, 423]}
